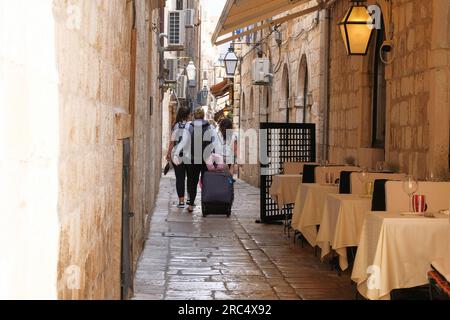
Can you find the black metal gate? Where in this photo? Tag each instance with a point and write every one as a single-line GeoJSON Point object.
{"type": "Point", "coordinates": [283, 142]}
{"type": "Point", "coordinates": [126, 268]}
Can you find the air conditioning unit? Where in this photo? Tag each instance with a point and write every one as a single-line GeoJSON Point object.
{"type": "Point", "coordinates": [172, 66]}
{"type": "Point", "coordinates": [175, 28]}
{"type": "Point", "coordinates": [182, 87]}
{"type": "Point", "coordinates": [261, 71]}
{"type": "Point", "coordinates": [189, 18]}
{"type": "Point", "coordinates": [178, 4]}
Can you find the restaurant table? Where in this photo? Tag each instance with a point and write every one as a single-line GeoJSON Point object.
{"type": "Point", "coordinates": [284, 188]}
{"type": "Point", "coordinates": [342, 220]}
{"type": "Point", "coordinates": [331, 171]}
{"type": "Point", "coordinates": [309, 207]}
{"type": "Point", "coordinates": [396, 251]}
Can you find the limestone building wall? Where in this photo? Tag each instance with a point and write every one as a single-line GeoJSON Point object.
{"type": "Point", "coordinates": [417, 84]}
{"type": "Point", "coordinates": [72, 90]}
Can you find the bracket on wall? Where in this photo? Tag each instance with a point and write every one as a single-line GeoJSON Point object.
{"type": "Point", "coordinates": [388, 45]}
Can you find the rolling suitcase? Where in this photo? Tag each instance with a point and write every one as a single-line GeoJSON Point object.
{"type": "Point", "coordinates": [217, 193]}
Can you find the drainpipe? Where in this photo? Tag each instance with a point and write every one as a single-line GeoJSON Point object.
{"type": "Point", "coordinates": [326, 56]}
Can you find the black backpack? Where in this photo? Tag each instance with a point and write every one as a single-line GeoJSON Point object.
{"type": "Point", "coordinates": [206, 139]}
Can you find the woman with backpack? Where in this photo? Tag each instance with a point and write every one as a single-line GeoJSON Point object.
{"type": "Point", "coordinates": [197, 144]}
{"type": "Point", "coordinates": [181, 123]}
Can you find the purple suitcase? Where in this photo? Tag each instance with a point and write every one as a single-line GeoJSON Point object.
{"type": "Point", "coordinates": [217, 193]}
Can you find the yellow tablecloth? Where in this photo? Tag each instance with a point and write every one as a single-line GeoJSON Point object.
{"type": "Point", "coordinates": [342, 220]}
{"type": "Point", "coordinates": [396, 251]}
{"type": "Point", "coordinates": [298, 204]}
{"type": "Point", "coordinates": [284, 188]}
{"type": "Point", "coordinates": [309, 208]}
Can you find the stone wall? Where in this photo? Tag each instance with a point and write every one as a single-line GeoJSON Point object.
{"type": "Point", "coordinates": [67, 82]}
{"type": "Point", "coordinates": [350, 95]}
{"type": "Point", "coordinates": [417, 102]}
{"type": "Point", "coordinates": [102, 114]}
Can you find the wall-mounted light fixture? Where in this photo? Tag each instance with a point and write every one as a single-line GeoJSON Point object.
{"type": "Point", "coordinates": [231, 62]}
{"type": "Point", "coordinates": [191, 72]}
{"type": "Point", "coordinates": [356, 29]}
{"type": "Point", "coordinates": [358, 24]}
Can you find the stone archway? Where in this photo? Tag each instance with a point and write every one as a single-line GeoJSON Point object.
{"type": "Point", "coordinates": [303, 114]}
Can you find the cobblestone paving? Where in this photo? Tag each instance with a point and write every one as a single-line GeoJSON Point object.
{"type": "Point", "coordinates": [189, 257]}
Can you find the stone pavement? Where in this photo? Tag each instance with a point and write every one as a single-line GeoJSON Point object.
{"type": "Point", "coordinates": [190, 257]}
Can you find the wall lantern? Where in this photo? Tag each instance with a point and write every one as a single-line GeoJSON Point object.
{"type": "Point", "coordinates": [202, 96]}
{"type": "Point", "coordinates": [191, 72]}
{"type": "Point", "coordinates": [231, 62]}
{"type": "Point", "coordinates": [356, 29]}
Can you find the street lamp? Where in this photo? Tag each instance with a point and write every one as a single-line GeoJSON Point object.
{"type": "Point", "coordinates": [356, 29]}
{"type": "Point", "coordinates": [202, 96]}
{"type": "Point", "coordinates": [191, 72]}
{"type": "Point", "coordinates": [231, 61]}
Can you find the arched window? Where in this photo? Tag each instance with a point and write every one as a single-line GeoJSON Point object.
{"type": "Point", "coordinates": [378, 95]}
{"type": "Point", "coordinates": [303, 114]}
{"type": "Point", "coordinates": [285, 93]}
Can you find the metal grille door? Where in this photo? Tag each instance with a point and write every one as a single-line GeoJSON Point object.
{"type": "Point", "coordinates": [126, 273]}
{"type": "Point", "coordinates": [284, 142]}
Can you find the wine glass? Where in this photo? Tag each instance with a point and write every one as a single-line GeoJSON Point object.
{"type": "Point", "coordinates": [324, 163]}
{"type": "Point", "coordinates": [410, 186]}
{"type": "Point", "coordinates": [380, 166]}
{"type": "Point", "coordinates": [364, 177]}
{"type": "Point", "coordinates": [431, 176]}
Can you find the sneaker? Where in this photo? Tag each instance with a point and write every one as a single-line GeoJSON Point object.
{"type": "Point", "coordinates": [181, 205]}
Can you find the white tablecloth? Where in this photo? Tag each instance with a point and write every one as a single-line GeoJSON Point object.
{"type": "Point", "coordinates": [309, 207]}
{"type": "Point", "coordinates": [395, 252]}
{"type": "Point", "coordinates": [342, 220]}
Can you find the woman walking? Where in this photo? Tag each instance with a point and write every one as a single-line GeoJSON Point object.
{"type": "Point", "coordinates": [180, 169]}
{"type": "Point", "coordinates": [197, 145]}
{"type": "Point", "coordinates": [226, 143]}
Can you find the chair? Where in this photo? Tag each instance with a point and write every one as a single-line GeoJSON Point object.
{"type": "Point", "coordinates": [344, 182]}
{"type": "Point", "coordinates": [379, 195]}
{"type": "Point", "coordinates": [309, 173]}
{"type": "Point", "coordinates": [439, 286]}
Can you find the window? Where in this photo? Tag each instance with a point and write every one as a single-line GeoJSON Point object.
{"type": "Point", "coordinates": [378, 95]}
{"type": "Point", "coordinates": [303, 90]}
{"type": "Point", "coordinates": [180, 5]}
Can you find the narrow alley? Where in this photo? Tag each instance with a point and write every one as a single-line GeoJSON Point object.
{"type": "Point", "coordinates": [190, 257]}
{"type": "Point", "coordinates": [330, 117]}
